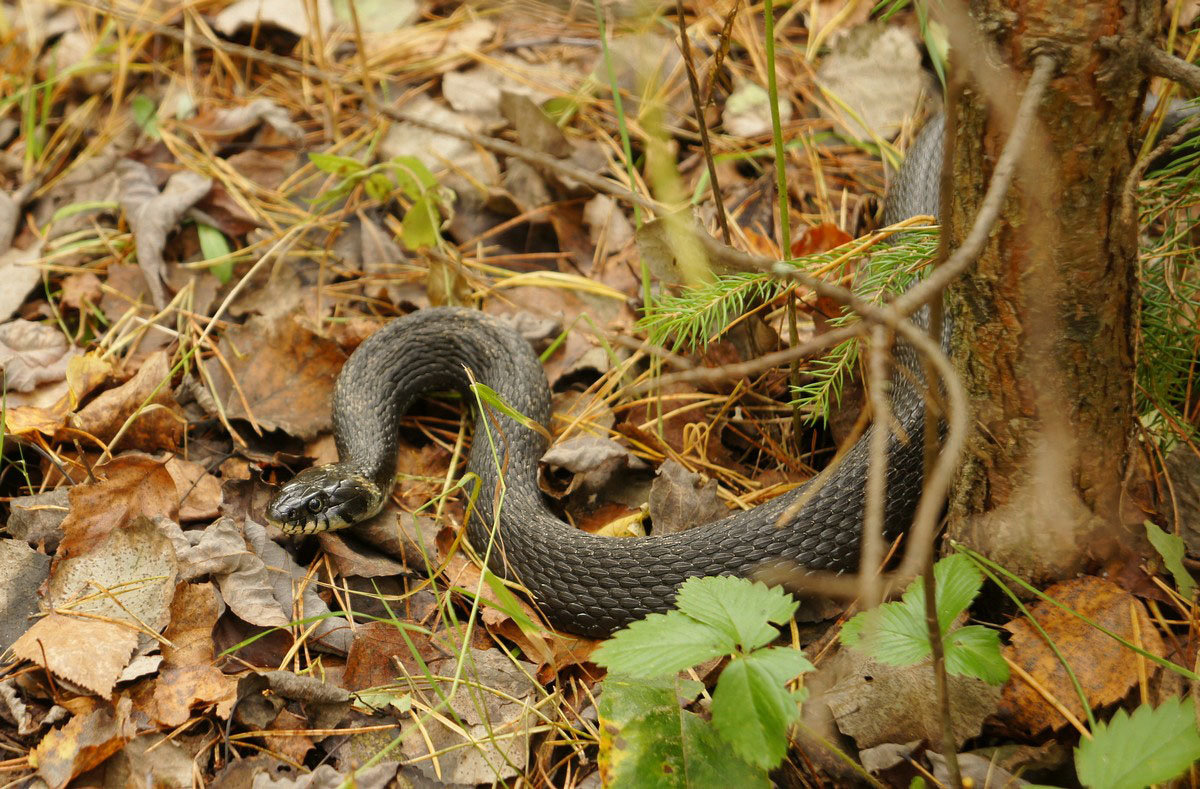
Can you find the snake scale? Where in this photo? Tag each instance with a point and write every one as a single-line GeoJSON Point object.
{"type": "Point", "coordinates": [583, 583]}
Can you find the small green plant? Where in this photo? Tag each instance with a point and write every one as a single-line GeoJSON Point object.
{"type": "Point", "coordinates": [896, 633]}
{"type": "Point", "coordinates": [648, 739]}
{"type": "Point", "coordinates": [1131, 751]}
{"type": "Point", "coordinates": [403, 176]}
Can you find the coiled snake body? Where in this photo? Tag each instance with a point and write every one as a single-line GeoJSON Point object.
{"type": "Point", "coordinates": [584, 583]}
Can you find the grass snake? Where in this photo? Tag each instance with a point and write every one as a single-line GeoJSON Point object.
{"type": "Point", "coordinates": [584, 583]}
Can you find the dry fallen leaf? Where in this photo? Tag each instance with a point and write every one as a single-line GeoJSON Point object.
{"type": "Point", "coordinates": [152, 216]}
{"type": "Point", "coordinates": [101, 601]}
{"type": "Point", "coordinates": [22, 571]}
{"type": "Point", "coordinates": [284, 372]}
{"type": "Point", "coordinates": [129, 486]}
{"type": "Point", "coordinates": [682, 499]}
{"type": "Point", "coordinates": [1105, 669]}
{"type": "Point", "coordinates": [32, 354]}
{"type": "Point", "coordinates": [158, 423]}
{"type": "Point", "coordinates": [189, 678]}
{"type": "Point", "coordinates": [19, 274]}
{"type": "Point", "coordinates": [85, 742]}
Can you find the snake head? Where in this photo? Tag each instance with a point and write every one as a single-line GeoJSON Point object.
{"type": "Point", "coordinates": [323, 499]}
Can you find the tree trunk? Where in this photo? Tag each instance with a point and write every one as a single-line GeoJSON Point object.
{"type": "Point", "coordinates": [1044, 321]}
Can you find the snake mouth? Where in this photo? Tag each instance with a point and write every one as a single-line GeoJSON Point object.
{"type": "Point", "coordinates": [323, 499]}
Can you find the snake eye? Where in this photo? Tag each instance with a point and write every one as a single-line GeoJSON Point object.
{"type": "Point", "coordinates": [316, 504]}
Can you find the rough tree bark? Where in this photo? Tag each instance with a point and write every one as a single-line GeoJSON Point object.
{"type": "Point", "coordinates": [1044, 326]}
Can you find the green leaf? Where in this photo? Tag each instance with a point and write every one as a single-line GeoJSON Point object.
{"type": "Point", "coordinates": [896, 633]}
{"type": "Point", "coordinates": [379, 187]}
{"type": "Point", "coordinates": [1171, 548]}
{"type": "Point", "coordinates": [145, 115]}
{"type": "Point", "coordinates": [420, 225]}
{"type": "Point", "coordinates": [492, 398]}
{"type": "Point", "coordinates": [213, 245]}
{"type": "Point", "coordinates": [1150, 746]}
{"type": "Point", "coordinates": [958, 580]}
{"type": "Point", "coordinates": [752, 709]}
{"type": "Point", "coordinates": [974, 651]}
{"type": "Point", "coordinates": [661, 645]}
{"type": "Point", "coordinates": [412, 176]}
{"type": "Point", "coordinates": [648, 740]}
{"type": "Point", "coordinates": [737, 607]}
{"type": "Point", "coordinates": [336, 165]}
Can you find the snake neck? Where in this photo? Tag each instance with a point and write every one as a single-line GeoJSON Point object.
{"type": "Point", "coordinates": [395, 366]}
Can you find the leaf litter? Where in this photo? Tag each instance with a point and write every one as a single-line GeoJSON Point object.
{"type": "Point", "coordinates": [150, 597]}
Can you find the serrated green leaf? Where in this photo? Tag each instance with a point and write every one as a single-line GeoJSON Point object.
{"type": "Point", "coordinates": [1171, 548]}
{"type": "Point", "coordinates": [213, 244]}
{"type": "Point", "coordinates": [336, 165]}
{"type": "Point", "coordinates": [661, 645]}
{"type": "Point", "coordinates": [896, 633]}
{"type": "Point", "coordinates": [648, 740]}
{"type": "Point", "coordinates": [1132, 751]}
{"type": "Point", "coordinates": [419, 229]}
{"type": "Point", "coordinates": [737, 607]}
{"type": "Point", "coordinates": [974, 651]}
{"type": "Point", "coordinates": [752, 709]}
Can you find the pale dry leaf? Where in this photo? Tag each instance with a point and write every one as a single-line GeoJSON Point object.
{"type": "Point", "coordinates": [289, 15]}
{"type": "Point", "coordinates": [22, 571]}
{"type": "Point", "coordinates": [153, 215]}
{"type": "Point", "coordinates": [436, 150]}
{"type": "Point", "coordinates": [876, 72]}
{"type": "Point", "coordinates": [876, 703]}
{"type": "Point", "coordinates": [222, 554]}
{"type": "Point", "coordinates": [33, 354]}
{"type": "Point", "coordinates": [37, 519]}
{"type": "Point", "coordinates": [129, 578]}
{"type": "Point", "coordinates": [377, 16]}
{"type": "Point", "coordinates": [326, 776]}
{"type": "Point", "coordinates": [87, 652]}
{"type": "Point", "coordinates": [19, 275]}
{"type": "Point", "coordinates": [285, 576]}
{"type": "Point", "coordinates": [495, 708]}
{"type": "Point", "coordinates": [234, 121]}
{"type": "Point", "coordinates": [158, 423]}
{"type": "Point", "coordinates": [748, 111]}
{"type": "Point", "coordinates": [608, 227]}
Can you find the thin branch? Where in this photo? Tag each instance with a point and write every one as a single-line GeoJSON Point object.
{"type": "Point", "coordinates": [877, 467]}
{"type": "Point", "coordinates": [1155, 61]}
{"type": "Point", "coordinates": [1129, 194]}
{"type": "Point", "coordinates": [685, 45]}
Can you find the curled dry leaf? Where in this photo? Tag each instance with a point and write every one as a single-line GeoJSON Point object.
{"type": "Point", "coordinates": [1105, 669]}
{"type": "Point", "coordinates": [284, 374]}
{"type": "Point", "coordinates": [229, 122]}
{"type": "Point", "coordinates": [19, 275]}
{"type": "Point", "coordinates": [682, 499]}
{"type": "Point", "coordinates": [289, 15]}
{"type": "Point", "coordinates": [189, 678]}
{"type": "Point", "coordinates": [146, 399]}
{"type": "Point", "coordinates": [152, 216]}
{"type": "Point", "coordinates": [33, 354]}
{"type": "Point", "coordinates": [85, 742]}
